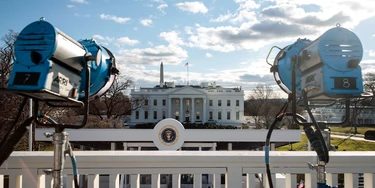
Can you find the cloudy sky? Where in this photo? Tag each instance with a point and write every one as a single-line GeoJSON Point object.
{"type": "Point", "coordinates": [221, 40]}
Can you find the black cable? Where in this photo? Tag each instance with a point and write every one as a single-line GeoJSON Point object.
{"type": "Point", "coordinates": [315, 136]}
{"type": "Point", "coordinates": [278, 118]}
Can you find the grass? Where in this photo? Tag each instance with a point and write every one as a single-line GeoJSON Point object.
{"type": "Point", "coordinates": [349, 130]}
{"type": "Point", "coordinates": [343, 145]}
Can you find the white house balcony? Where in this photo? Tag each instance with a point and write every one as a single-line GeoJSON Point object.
{"type": "Point", "coordinates": [238, 169]}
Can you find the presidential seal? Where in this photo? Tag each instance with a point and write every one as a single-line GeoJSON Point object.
{"type": "Point", "coordinates": [168, 135]}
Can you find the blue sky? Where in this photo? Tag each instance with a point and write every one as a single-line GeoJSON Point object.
{"type": "Point", "coordinates": [223, 41]}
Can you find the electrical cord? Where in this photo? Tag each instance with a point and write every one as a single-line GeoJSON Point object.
{"type": "Point", "coordinates": [315, 135]}
{"type": "Point", "coordinates": [278, 118]}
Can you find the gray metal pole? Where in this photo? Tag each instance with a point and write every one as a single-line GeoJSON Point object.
{"type": "Point", "coordinates": [31, 126]}
{"type": "Point", "coordinates": [59, 143]}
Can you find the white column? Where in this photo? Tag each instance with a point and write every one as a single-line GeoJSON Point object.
{"type": "Point", "coordinates": [309, 179]}
{"type": "Point", "coordinates": [233, 177]}
{"type": "Point", "coordinates": [1, 181]}
{"type": "Point", "coordinates": [229, 146]}
{"type": "Point", "coordinates": [70, 181]}
{"type": "Point", "coordinates": [181, 115]}
{"type": "Point", "coordinates": [93, 180]}
{"type": "Point", "coordinates": [350, 180]}
{"type": "Point", "coordinates": [113, 146]}
{"type": "Point", "coordinates": [15, 181]}
{"type": "Point", "coordinates": [176, 180]}
{"type": "Point", "coordinates": [332, 179]}
{"type": "Point", "coordinates": [169, 108]}
{"type": "Point", "coordinates": [135, 181]}
{"type": "Point", "coordinates": [192, 114]}
{"type": "Point", "coordinates": [250, 180]}
{"type": "Point", "coordinates": [114, 181]}
{"type": "Point", "coordinates": [369, 180]}
{"type": "Point", "coordinates": [125, 144]}
{"type": "Point", "coordinates": [40, 184]}
{"type": "Point", "coordinates": [197, 181]}
{"type": "Point", "coordinates": [48, 181]}
{"type": "Point", "coordinates": [204, 111]}
{"type": "Point", "coordinates": [217, 180]}
{"type": "Point", "coordinates": [291, 180]}
{"type": "Point", "coordinates": [155, 181]}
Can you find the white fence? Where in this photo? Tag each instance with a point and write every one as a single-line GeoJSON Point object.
{"type": "Point", "coordinates": [26, 169]}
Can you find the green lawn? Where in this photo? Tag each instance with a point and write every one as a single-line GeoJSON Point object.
{"type": "Point", "coordinates": [350, 130]}
{"type": "Point", "coordinates": [343, 145]}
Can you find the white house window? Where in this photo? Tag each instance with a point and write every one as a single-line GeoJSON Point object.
{"type": "Point", "coordinates": [136, 114]}
{"type": "Point", "coordinates": [197, 116]}
{"type": "Point", "coordinates": [228, 115]}
{"type": "Point", "coordinates": [146, 114]}
{"type": "Point", "coordinates": [219, 115]}
{"type": "Point", "coordinates": [155, 114]}
{"type": "Point", "coordinates": [210, 102]}
{"type": "Point", "coordinates": [237, 115]}
{"type": "Point", "coordinates": [219, 102]}
{"type": "Point", "coordinates": [155, 102]}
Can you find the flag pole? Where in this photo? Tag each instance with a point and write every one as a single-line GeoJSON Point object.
{"type": "Point", "coordinates": [187, 72]}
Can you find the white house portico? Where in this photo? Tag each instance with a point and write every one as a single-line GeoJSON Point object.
{"type": "Point", "coordinates": [189, 103]}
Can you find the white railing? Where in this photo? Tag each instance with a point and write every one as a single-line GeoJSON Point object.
{"type": "Point", "coordinates": [26, 169]}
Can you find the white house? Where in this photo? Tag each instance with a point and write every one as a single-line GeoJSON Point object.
{"type": "Point", "coordinates": [189, 103]}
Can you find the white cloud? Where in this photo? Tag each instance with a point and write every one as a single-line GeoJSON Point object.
{"type": "Point", "coordinates": [98, 37]}
{"type": "Point", "coordinates": [70, 6]}
{"type": "Point", "coordinates": [150, 43]}
{"type": "Point", "coordinates": [172, 37]}
{"type": "Point", "coordinates": [127, 41]}
{"type": "Point", "coordinates": [326, 13]}
{"type": "Point", "coordinates": [114, 18]}
{"type": "Point", "coordinates": [194, 7]}
{"type": "Point", "coordinates": [244, 15]}
{"type": "Point", "coordinates": [170, 54]}
{"type": "Point", "coordinates": [146, 22]}
{"type": "Point", "coordinates": [282, 21]}
{"type": "Point", "coordinates": [248, 5]}
{"type": "Point", "coordinates": [208, 55]}
{"type": "Point", "coordinates": [162, 7]}
{"type": "Point", "coordinates": [79, 1]}
{"type": "Point", "coordinates": [371, 53]}
{"type": "Point", "coordinates": [222, 18]}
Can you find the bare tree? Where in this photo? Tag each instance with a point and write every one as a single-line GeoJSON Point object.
{"type": "Point", "coordinates": [9, 103]}
{"type": "Point", "coordinates": [263, 106]}
{"type": "Point", "coordinates": [7, 57]}
{"type": "Point", "coordinates": [114, 105]}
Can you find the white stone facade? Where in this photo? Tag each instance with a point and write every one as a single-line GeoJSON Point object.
{"type": "Point", "coordinates": [200, 104]}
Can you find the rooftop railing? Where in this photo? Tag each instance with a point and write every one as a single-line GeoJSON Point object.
{"type": "Point", "coordinates": [238, 168]}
